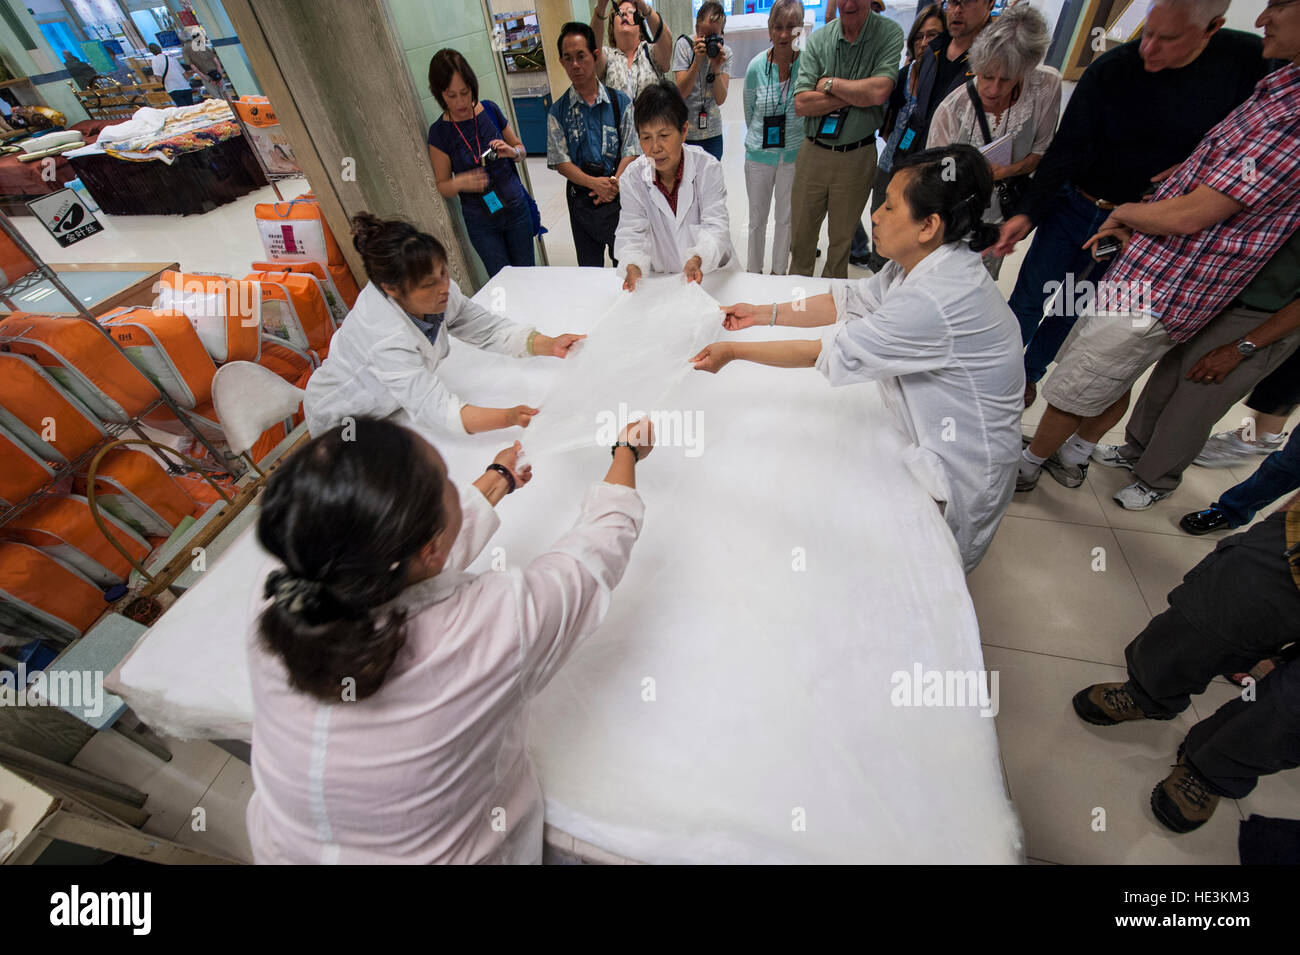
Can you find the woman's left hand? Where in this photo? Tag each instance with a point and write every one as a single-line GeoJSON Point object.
{"type": "Point", "coordinates": [557, 347]}
{"type": "Point", "coordinates": [1216, 364]}
{"type": "Point", "coordinates": [509, 459]}
{"type": "Point", "coordinates": [694, 269]}
{"type": "Point", "coordinates": [503, 148]}
{"type": "Point", "coordinates": [713, 358]}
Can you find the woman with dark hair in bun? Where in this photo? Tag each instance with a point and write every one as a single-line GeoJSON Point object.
{"type": "Point", "coordinates": [932, 329]}
{"type": "Point", "coordinates": [390, 687]}
{"type": "Point", "coordinates": [384, 358]}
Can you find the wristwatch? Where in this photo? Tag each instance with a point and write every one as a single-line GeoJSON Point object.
{"type": "Point", "coordinates": [829, 81]}
{"type": "Point", "coordinates": [1246, 347]}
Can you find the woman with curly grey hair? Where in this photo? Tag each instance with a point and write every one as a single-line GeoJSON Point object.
{"type": "Point", "coordinates": [1012, 96]}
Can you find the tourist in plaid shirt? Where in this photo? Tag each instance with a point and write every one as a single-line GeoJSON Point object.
{"type": "Point", "coordinates": [1212, 225]}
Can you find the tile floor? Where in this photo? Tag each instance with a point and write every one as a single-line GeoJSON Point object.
{"type": "Point", "coordinates": [1052, 619]}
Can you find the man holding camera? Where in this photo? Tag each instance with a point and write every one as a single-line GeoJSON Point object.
{"type": "Point", "coordinates": [589, 140]}
{"type": "Point", "coordinates": [846, 73]}
{"type": "Point", "coordinates": [702, 71]}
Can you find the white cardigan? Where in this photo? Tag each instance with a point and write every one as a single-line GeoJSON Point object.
{"type": "Point", "coordinates": [653, 238]}
{"type": "Point", "coordinates": [380, 364]}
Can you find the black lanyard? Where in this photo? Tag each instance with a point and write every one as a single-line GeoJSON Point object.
{"type": "Point", "coordinates": [782, 103]}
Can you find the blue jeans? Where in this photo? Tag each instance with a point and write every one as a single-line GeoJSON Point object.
{"type": "Point", "coordinates": [182, 97]}
{"type": "Point", "coordinates": [712, 146]}
{"type": "Point", "coordinates": [1056, 250]}
{"type": "Point", "coordinates": [1278, 474]}
{"type": "Point", "coordinates": [861, 245]}
{"type": "Point", "coordinates": [502, 239]}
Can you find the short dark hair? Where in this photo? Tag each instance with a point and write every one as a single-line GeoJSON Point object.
{"type": "Point", "coordinates": [443, 66]}
{"type": "Point", "coordinates": [582, 29]}
{"type": "Point", "coordinates": [660, 100]}
{"type": "Point", "coordinates": [394, 252]}
{"type": "Point", "coordinates": [154, 48]}
{"type": "Point", "coordinates": [955, 183]}
{"type": "Point", "coordinates": [709, 10]}
{"type": "Point", "coordinates": [346, 516]}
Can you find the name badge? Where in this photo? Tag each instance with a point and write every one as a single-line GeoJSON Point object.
{"type": "Point", "coordinates": [832, 124]}
{"type": "Point", "coordinates": [774, 131]}
{"type": "Point", "coordinates": [704, 119]}
{"type": "Point", "coordinates": [492, 201]}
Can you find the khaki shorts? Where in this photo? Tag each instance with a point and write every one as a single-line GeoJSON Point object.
{"type": "Point", "coordinates": [1101, 359]}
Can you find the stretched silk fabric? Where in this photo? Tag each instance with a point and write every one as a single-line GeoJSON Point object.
{"type": "Point", "coordinates": [632, 361]}
{"type": "Point", "coordinates": [742, 700]}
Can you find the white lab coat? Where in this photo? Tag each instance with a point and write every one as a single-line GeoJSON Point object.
{"type": "Point", "coordinates": [433, 766]}
{"type": "Point", "coordinates": [380, 363]}
{"type": "Point", "coordinates": [946, 351]}
{"type": "Point", "coordinates": [653, 238]}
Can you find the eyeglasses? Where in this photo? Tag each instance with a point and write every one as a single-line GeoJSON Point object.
{"type": "Point", "coordinates": [970, 3]}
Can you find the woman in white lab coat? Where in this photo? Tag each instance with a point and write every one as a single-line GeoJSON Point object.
{"type": "Point", "coordinates": [383, 360]}
{"type": "Point", "coordinates": [674, 198]}
{"type": "Point", "coordinates": [932, 329]}
{"type": "Point", "coordinates": [390, 688]}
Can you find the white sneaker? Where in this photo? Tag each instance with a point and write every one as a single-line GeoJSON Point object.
{"type": "Point", "coordinates": [1228, 448]}
{"type": "Point", "coordinates": [1108, 454]}
{"type": "Point", "coordinates": [1138, 497]}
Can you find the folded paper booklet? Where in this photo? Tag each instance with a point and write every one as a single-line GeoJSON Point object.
{"type": "Point", "coordinates": [631, 362]}
{"type": "Point", "coordinates": [998, 152]}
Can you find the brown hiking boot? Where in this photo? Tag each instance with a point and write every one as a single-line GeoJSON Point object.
{"type": "Point", "coordinates": [1105, 704]}
{"type": "Point", "coordinates": [1182, 801]}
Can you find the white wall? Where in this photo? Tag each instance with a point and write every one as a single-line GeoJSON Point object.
{"type": "Point", "coordinates": [1241, 15]}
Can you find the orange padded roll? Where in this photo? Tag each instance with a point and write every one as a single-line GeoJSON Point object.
{"type": "Point", "coordinates": [83, 360]}
{"type": "Point", "coordinates": [165, 346]}
{"type": "Point", "coordinates": [226, 314]}
{"type": "Point", "coordinates": [37, 587]}
{"type": "Point", "coordinates": [133, 486]}
{"type": "Point", "coordinates": [22, 472]}
{"type": "Point", "coordinates": [64, 529]}
{"type": "Point", "coordinates": [42, 415]}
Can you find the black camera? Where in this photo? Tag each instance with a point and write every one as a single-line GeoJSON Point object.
{"type": "Point", "coordinates": [489, 155]}
{"type": "Point", "coordinates": [712, 46]}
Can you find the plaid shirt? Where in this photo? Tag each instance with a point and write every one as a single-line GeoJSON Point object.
{"type": "Point", "coordinates": [1253, 156]}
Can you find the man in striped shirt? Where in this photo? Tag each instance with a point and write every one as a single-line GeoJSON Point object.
{"type": "Point", "coordinates": [1209, 229]}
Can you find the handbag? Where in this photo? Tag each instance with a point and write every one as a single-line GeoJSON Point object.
{"type": "Point", "coordinates": [1011, 191]}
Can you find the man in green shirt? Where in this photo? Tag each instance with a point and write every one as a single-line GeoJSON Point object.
{"type": "Point", "coordinates": [846, 73]}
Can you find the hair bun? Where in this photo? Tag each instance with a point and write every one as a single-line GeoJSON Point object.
{"type": "Point", "coordinates": [365, 227]}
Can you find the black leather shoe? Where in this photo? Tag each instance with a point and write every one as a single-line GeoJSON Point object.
{"type": "Point", "coordinates": [1213, 518]}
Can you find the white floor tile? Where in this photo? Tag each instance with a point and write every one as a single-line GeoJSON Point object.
{"type": "Point", "coordinates": [1037, 590]}
{"type": "Point", "coordinates": [1063, 770]}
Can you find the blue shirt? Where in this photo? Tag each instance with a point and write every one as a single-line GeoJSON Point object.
{"type": "Point", "coordinates": [578, 133]}
{"type": "Point", "coordinates": [429, 325]}
{"type": "Point", "coordinates": [460, 142]}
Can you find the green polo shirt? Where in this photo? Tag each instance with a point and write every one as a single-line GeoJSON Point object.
{"type": "Point", "coordinates": [878, 51]}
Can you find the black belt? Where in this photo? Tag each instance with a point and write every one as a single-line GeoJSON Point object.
{"type": "Point", "coordinates": [847, 147]}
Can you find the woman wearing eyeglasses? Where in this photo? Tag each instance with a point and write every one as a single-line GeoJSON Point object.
{"type": "Point", "coordinates": [1011, 94]}
{"type": "Point", "coordinates": [640, 49]}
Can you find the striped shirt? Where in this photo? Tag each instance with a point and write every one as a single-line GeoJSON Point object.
{"type": "Point", "coordinates": [767, 95]}
{"type": "Point", "coordinates": [1253, 157]}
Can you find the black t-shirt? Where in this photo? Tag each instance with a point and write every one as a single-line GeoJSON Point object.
{"type": "Point", "coordinates": [1124, 125]}
{"type": "Point", "coordinates": [949, 75]}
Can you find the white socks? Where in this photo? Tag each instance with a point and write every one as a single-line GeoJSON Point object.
{"type": "Point", "coordinates": [1075, 451]}
{"type": "Point", "coordinates": [1030, 463]}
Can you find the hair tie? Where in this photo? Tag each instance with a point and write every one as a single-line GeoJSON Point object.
{"type": "Point", "coordinates": [290, 592]}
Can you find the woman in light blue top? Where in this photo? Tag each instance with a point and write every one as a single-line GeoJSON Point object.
{"type": "Point", "coordinates": [773, 135]}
